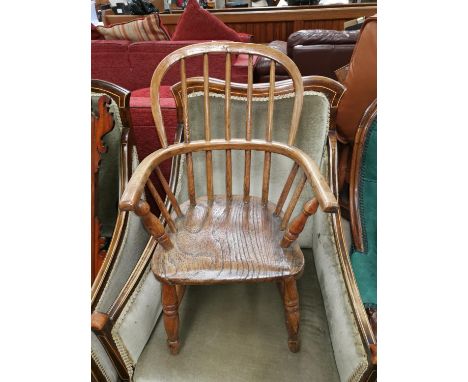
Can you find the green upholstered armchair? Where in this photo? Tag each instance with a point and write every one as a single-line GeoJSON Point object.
{"type": "Point", "coordinates": [114, 170]}
{"type": "Point", "coordinates": [363, 211]}
{"type": "Point", "coordinates": [120, 238]}
{"type": "Point", "coordinates": [335, 331]}
{"type": "Point", "coordinates": [127, 243]}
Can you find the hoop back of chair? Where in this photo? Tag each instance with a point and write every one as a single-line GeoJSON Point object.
{"type": "Point", "coordinates": [227, 48]}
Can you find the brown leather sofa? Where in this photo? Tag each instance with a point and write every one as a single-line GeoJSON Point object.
{"type": "Point", "coordinates": [315, 52]}
{"type": "Point", "coordinates": [361, 84]}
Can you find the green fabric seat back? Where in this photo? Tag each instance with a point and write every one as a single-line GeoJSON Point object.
{"type": "Point", "coordinates": [365, 263]}
{"type": "Point", "coordinates": [311, 138]}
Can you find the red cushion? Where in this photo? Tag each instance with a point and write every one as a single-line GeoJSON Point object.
{"type": "Point", "coordinates": [95, 35]}
{"type": "Point", "coordinates": [147, 28]}
{"type": "Point", "coordinates": [199, 24]}
{"type": "Point", "coordinates": [144, 131]}
{"type": "Point", "coordinates": [142, 98]}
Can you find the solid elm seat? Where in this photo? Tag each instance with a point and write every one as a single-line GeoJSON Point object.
{"type": "Point", "coordinates": [227, 242]}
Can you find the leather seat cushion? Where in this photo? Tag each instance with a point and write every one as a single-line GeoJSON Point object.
{"type": "Point", "coordinates": [241, 327]}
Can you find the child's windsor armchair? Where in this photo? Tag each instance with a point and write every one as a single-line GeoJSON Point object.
{"type": "Point", "coordinates": [225, 238]}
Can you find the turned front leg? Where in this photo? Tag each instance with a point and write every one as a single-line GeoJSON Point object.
{"type": "Point", "coordinates": [291, 310]}
{"type": "Point", "coordinates": [171, 316]}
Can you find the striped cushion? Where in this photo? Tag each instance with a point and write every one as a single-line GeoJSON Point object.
{"type": "Point", "coordinates": [144, 29]}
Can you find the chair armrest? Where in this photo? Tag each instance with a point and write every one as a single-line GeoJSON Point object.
{"type": "Point", "coordinates": [131, 198]}
{"type": "Point", "coordinates": [320, 37]}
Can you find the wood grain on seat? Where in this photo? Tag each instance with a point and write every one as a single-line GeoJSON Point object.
{"type": "Point", "coordinates": [226, 242]}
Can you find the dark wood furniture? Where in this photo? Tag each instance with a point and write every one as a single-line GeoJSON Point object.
{"type": "Point", "coordinates": [227, 238]}
{"type": "Point", "coordinates": [103, 123]}
{"type": "Point", "coordinates": [356, 163]}
{"type": "Point", "coordinates": [267, 24]}
{"type": "Point", "coordinates": [102, 267]}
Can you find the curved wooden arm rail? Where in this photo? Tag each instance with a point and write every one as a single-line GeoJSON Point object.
{"type": "Point", "coordinates": [134, 190]}
{"type": "Point", "coordinates": [228, 238]}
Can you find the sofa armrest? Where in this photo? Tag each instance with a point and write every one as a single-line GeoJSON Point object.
{"type": "Point", "coordinates": [320, 37]}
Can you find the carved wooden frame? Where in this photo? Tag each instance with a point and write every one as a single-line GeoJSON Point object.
{"type": "Point", "coordinates": [99, 324]}
{"type": "Point", "coordinates": [101, 124]}
{"type": "Point", "coordinates": [359, 144]}
{"type": "Point", "coordinates": [121, 97]}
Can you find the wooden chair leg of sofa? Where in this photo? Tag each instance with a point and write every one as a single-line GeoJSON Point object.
{"type": "Point", "coordinates": [171, 316]}
{"type": "Point", "coordinates": [291, 309]}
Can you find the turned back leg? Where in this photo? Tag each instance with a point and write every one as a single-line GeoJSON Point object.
{"type": "Point", "coordinates": [171, 316]}
{"type": "Point", "coordinates": [291, 310]}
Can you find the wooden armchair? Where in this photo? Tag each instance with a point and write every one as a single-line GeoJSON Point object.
{"type": "Point", "coordinates": [225, 238]}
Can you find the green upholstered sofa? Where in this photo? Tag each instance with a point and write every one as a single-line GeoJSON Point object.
{"type": "Point", "coordinates": [219, 342]}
